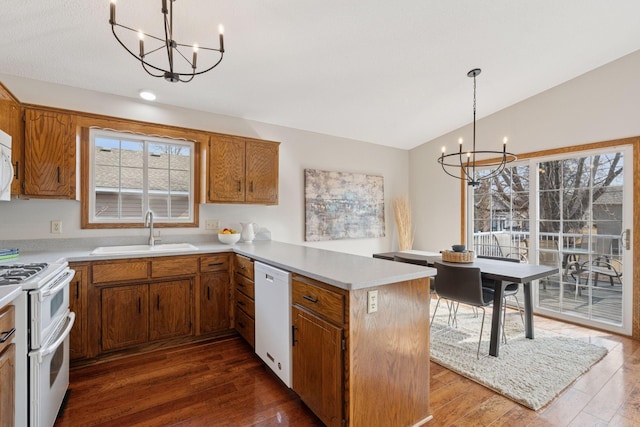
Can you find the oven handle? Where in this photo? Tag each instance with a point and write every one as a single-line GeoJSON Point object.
{"type": "Point", "coordinates": [62, 281]}
{"type": "Point", "coordinates": [44, 352]}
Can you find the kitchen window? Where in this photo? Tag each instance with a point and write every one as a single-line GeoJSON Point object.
{"type": "Point", "coordinates": [130, 174]}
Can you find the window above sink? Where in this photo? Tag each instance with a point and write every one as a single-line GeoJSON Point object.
{"type": "Point", "coordinates": [128, 174]}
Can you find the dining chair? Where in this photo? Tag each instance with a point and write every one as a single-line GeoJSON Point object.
{"type": "Point", "coordinates": [458, 284]}
{"type": "Point", "coordinates": [510, 290]}
{"type": "Point", "coordinates": [416, 261]}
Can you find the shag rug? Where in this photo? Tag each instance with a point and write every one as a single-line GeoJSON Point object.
{"type": "Point", "coordinates": [530, 372]}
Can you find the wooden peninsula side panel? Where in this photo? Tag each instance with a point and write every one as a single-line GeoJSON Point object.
{"type": "Point", "coordinates": [388, 379]}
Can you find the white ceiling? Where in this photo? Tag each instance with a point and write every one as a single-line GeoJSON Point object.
{"type": "Point", "coordinates": [390, 73]}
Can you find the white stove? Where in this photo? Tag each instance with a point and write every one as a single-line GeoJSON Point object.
{"type": "Point", "coordinates": [46, 355]}
{"type": "Point", "coordinates": [30, 276]}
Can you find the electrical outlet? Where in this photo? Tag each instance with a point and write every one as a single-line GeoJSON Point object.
{"type": "Point", "coordinates": [372, 301]}
{"type": "Point", "coordinates": [56, 226]}
{"type": "Point", "coordinates": [212, 224]}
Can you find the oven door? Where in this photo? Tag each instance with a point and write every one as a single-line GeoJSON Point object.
{"type": "Point", "coordinates": [49, 375]}
{"type": "Point", "coordinates": [49, 305]}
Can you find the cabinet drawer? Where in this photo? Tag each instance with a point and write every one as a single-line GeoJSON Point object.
{"type": "Point", "coordinates": [324, 302]}
{"type": "Point", "coordinates": [115, 272]}
{"type": "Point", "coordinates": [244, 266]}
{"type": "Point", "coordinates": [245, 303]}
{"type": "Point", "coordinates": [244, 285]}
{"type": "Point", "coordinates": [7, 323]}
{"type": "Point", "coordinates": [245, 327]}
{"type": "Point", "coordinates": [218, 262]}
{"type": "Point", "coordinates": [174, 267]}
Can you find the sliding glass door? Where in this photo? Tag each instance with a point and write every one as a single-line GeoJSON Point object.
{"type": "Point", "coordinates": [571, 211]}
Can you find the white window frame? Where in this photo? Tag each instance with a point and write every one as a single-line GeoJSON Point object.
{"type": "Point", "coordinates": [146, 140]}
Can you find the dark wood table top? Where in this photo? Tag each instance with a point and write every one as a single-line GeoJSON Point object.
{"type": "Point", "coordinates": [490, 268]}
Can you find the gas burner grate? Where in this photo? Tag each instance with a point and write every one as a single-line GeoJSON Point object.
{"type": "Point", "coordinates": [14, 274]}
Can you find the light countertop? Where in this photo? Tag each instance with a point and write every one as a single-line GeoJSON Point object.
{"type": "Point", "coordinates": [8, 294]}
{"type": "Point", "coordinates": [343, 270]}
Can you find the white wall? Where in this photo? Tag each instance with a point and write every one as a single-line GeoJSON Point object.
{"type": "Point", "coordinates": [29, 219]}
{"type": "Point", "coordinates": [601, 105]}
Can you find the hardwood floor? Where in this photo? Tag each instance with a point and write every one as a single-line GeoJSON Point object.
{"type": "Point", "coordinates": [215, 383]}
{"type": "Point", "coordinates": [222, 383]}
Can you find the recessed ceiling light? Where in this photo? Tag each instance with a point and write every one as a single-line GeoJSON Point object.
{"type": "Point", "coordinates": [147, 95]}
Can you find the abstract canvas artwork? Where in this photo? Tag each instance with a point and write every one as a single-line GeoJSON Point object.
{"type": "Point", "coordinates": [341, 205]}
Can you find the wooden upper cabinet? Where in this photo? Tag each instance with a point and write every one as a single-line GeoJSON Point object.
{"type": "Point", "coordinates": [11, 123]}
{"type": "Point", "coordinates": [262, 172]}
{"type": "Point", "coordinates": [226, 169]}
{"type": "Point", "coordinates": [49, 154]}
{"type": "Point", "coordinates": [242, 170]}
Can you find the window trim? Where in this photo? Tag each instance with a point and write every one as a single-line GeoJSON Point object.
{"type": "Point", "coordinates": [153, 134]}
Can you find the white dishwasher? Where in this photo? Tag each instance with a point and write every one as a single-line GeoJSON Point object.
{"type": "Point", "coordinates": [273, 319]}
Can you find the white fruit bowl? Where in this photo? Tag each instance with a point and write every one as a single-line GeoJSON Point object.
{"type": "Point", "coordinates": [229, 239]}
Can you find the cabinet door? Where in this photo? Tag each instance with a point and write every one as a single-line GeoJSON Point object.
{"type": "Point", "coordinates": [226, 169]}
{"type": "Point", "coordinates": [170, 309]}
{"type": "Point", "coordinates": [214, 302]}
{"type": "Point", "coordinates": [78, 304]}
{"type": "Point", "coordinates": [318, 366]}
{"type": "Point", "coordinates": [49, 153]}
{"type": "Point", "coordinates": [11, 123]}
{"type": "Point", "coordinates": [7, 386]}
{"type": "Point", "coordinates": [262, 172]}
{"type": "Point", "coordinates": [125, 316]}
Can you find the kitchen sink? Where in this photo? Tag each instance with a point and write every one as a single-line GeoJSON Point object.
{"type": "Point", "coordinates": [143, 249]}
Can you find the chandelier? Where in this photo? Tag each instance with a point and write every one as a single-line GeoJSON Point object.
{"type": "Point", "coordinates": [171, 72]}
{"type": "Point", "coordinates": [462, 165]}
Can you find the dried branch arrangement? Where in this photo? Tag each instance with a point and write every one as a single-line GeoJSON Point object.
{"type": "Point", "coordinates": [402, 210]}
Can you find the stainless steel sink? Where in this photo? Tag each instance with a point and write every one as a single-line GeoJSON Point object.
{"type": "Point", "coordinates": [143, 249]}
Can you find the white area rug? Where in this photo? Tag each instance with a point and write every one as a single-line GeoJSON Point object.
{"type": "Point", "coordinates": [530, 372]}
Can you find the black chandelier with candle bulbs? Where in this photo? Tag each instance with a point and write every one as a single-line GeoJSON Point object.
{"type": "Point", "coordinates": [462, 165]}
{"type": "Point", "coordinates": [171, 72]}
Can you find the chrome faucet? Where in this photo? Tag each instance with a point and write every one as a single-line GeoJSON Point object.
{"type": "Point", "coordinates": [148, 222]}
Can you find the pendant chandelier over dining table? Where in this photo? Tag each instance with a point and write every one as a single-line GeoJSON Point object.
{"type": "Point", "coordinates": [462, 165]}
{"type": "Point", "coordinates": [178, 67]}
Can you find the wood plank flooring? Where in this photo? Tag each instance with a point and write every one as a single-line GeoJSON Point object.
{"type": "Point", "coordinates": [222, 383]}
{"type": "Point", "coordinates": [214, 383]}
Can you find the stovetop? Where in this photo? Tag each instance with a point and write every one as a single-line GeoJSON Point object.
{"type": "Point", "coordinates": [16, 274]}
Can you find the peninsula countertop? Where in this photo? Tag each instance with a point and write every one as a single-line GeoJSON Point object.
{"type": "Point", "coordinates": [346, 271]}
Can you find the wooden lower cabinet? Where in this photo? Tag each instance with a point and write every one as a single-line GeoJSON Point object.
{"type": "Point", "coordinates": [360, 369]}
{"type": "Point", "coordinates": [136, 314]}
{"type": "Point", "coordinates": [78, 294]}
{"type": "Point", "coordinates": [214, 301]}
{"type": "Point", "coordinates": [318, 365]}
{"type": "Point", "coordinates": [7, 386]}
{"type": "Point", "coordinates": [137, 301]}
{"type": "Point", "coordinates": [170, 309]}
{"type": "Point", "coordinates": [125, 316]}
{"type": "Point", "coordinates": [7, 366]}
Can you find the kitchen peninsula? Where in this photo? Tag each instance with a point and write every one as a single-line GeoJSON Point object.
{"type": "Point", "coordinates": [384, 350]}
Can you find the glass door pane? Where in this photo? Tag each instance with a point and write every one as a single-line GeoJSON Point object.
{"type": "Point", "coordinates": [579, 222]}
{"type": "Point", "coordinates": [568, 212]}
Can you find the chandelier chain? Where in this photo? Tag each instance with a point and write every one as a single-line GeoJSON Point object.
{"type": "Point", "coordinates": [466, 164]}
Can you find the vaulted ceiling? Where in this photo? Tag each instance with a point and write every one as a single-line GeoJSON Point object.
{"type": "Point", "coordinates": [390, 73]}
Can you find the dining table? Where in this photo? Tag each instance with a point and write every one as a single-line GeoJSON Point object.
{"type": "Point", "coordinates": [502, 272]}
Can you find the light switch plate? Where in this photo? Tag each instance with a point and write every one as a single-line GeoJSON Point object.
{"type": "Point", "coordinates": [372, 301]}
